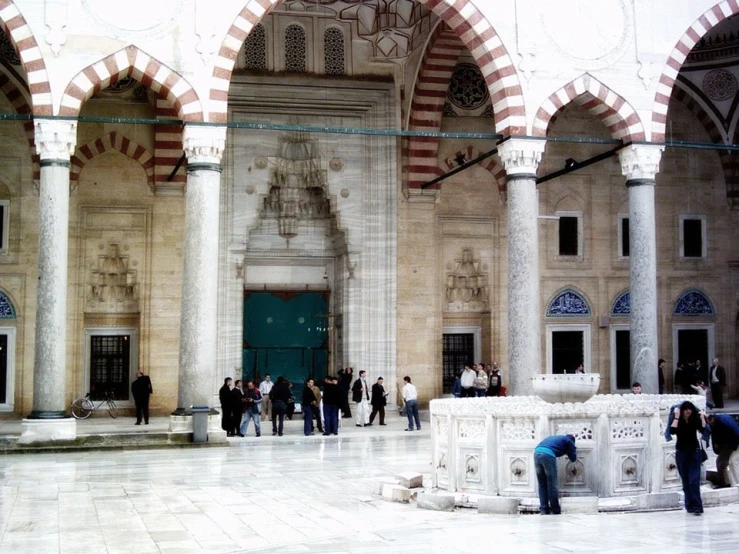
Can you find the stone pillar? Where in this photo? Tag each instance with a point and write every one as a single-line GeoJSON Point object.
{"type": "Point", "coordinates": [639, 164]}
{"type": "Point", "coordinates": [204, 147]}
{"type": "Point", "coordinates": [521, 158]}
{"type": "Point", "coordinates": [49, 420]}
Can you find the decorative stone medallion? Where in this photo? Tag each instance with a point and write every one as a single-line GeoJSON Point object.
{"type": "Point", "coordinates": [591, 35]}
{"type": "Point", "coordinates": [720, 85]}
{"type": "Point", "coordinates": [336, 164]}
{"type": "Point", "coordinates": [124, 18]}
{"type": "Point", "coordinates": [260, 162]}
{"type": "Point", "coordinates": [467, 87]}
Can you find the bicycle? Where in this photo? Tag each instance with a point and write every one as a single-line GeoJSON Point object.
{"type": "Point", "coordinates": [84, 407]}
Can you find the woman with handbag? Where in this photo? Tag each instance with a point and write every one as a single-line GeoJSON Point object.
{"type": "Point", "coordinates": [687, 423]}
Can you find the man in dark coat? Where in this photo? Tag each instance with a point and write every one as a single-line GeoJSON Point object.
{"type": "Point", "coordinates": [237, 408]}
{"type": "Point", "coordinates": [224, 394]}
{"type": "Point", "coordinates": [379, 400]}
{"type": "Point", "coordinates": [332, 399]}
{"type": "Point", "coordinates": [717, 382]}
{"type": "Point", "coordinates": [141, 390]}
{"type": "Point", "coordinates": [345, 384]}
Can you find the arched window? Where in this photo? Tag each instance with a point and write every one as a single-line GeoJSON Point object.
{"type": "Point", "coordinates": [333, 51]}
{"type": "Point", "coordinates": [295, 48]}
{"type": "Point", "coordinates": [7, 310]}
{"type": "Point", "coordinates": [255, 49]}
{"type": "Point", "coordinates": [694, 303]}
{"type": "Point", "coordinates": [568, 303]}
{"type": "Point", "coordinates": [621, 306]}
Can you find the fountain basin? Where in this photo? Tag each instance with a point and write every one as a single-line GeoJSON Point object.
{"type": "Point", "coordinates": [566, 388]}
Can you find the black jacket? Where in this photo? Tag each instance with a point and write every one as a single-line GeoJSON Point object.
{"type": "Point", "coordinates": [237, 400]}
{"type": "Point", "coordinates": [308, 397]}
{"type": "Point", "coordinates": [357, 391]}
{"type": "Point", "coordinates": [224, 394]}
{"type": "Point", "coordinates": [345, 380]}
{"type": "Point", "coordinates": [141, 388]}
{"type": "Point", "coordinates": [332, 395]}
{"type": "Point", "coordinates": [280, 393]}
{"type": "Point", "coordinates": [378, 395]}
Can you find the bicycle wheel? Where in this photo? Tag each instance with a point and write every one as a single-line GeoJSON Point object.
{"type": "Point", "coordinates": [112, 409]}
{"type": "Point", "coordinates": [82, 408]}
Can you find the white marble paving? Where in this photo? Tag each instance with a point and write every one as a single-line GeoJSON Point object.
{"type": "Point", "coordinates": [295, 494]}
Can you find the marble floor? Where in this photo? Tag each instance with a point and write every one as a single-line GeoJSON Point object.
{"type": "Point", "coordinates": [296, 494]}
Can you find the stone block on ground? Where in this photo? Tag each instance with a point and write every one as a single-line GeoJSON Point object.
{"type": "Point", "coordinates": [715, 497]}
{"type": "Point", "coordinates": [658, 501]}
{"type": "Point", "coordinates": [497, 505]}
{"type": "Point", "coordinates": [579, 505]}
{"type": "Point", "coordinates": [386, 481]}
{"type": "Point", "coordinates": [440, 502]}
{"type": "Point", "coordinates": [396, 493]}
{"type": "Point", "coordinates": [410, 479]}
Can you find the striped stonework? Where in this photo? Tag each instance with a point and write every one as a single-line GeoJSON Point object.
{"type": "Point", "coordinates": [111, 141]}
{"type": "Point", "coordinates": [19, 100]}
{"type": "Point", "coordinates": [132, 62]}
{"type": "Point", "coordinates": [695, 32]}
{"type": "Point", "coordinates": [492, 164]}
{"type": "Point", "coordinates": [616, 114]}
{"type": "Point", "coordinates": [461, 16]}
{"type": "Point", "coordinates": [17, 29]}
{"type": "Point", "coordinates": [168, 149]}
{"type": "Point", "coordinates": [442, 54]}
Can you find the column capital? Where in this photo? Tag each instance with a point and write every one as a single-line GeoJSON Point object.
{"type": "Point", "coordinates": [521, 156]}
{"type": "Point", "coordinates": [640, 161]}
{"type": "Point", "coordinates": [55, 140]}
{"type": "Point", "coordinates": [204, 144]}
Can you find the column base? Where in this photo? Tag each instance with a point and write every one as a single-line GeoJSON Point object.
{"type": "Point", "coordinates": [182, 423]}
{"type": "Point", "coordinates": [44, 430]}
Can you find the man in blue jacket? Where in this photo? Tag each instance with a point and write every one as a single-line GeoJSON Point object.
{"type": "Point", "coordinates": [545, 463]}
{"type": "Point", "coordinates": [725, 436]}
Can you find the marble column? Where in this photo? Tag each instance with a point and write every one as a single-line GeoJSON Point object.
{"type": "Point", "coordinates": [49, 420]}
{"type": "Point", "coordinates": [204, 147]}
{"type": "Point", "coordinates": [521, 158]}
{"type": "Point", "coordinates": [639, 164]}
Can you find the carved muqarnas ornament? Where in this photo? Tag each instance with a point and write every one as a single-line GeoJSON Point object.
{"type": "Point", "coordinates": [467, 286]}
{"type": "Point", "coordinates": [113, 287]}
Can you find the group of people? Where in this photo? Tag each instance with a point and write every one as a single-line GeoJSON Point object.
{"type": "Point", "coordinates": [694, 377]}
{"type": "Point", "coordinates": [479, 380]}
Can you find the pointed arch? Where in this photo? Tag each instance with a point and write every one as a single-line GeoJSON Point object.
{"type": "Point", "coordinates": [468, 154]}
{"type": "Point", "coordinates": [19, 98]}
{"type": "Point", "coordinates": [106, 143]}
{"type": "Point", "coordinates": [132, 62]}
{"type": "Point", "coordinates": [621, 305]}
{"type": "Point", "coordinates": [613, 110]}
{"type": "Point", "coordinates": [568, 302]}
{"type": "Point", "coordinates": [462, 16]}
{"type": "Point", "coordinates": [674, 63]}
{"type": "Point", "coordinates": [15, 26]}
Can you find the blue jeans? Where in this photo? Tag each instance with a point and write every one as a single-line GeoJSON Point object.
{"type": "Point", "coordinates": [330, 419]}
{"type": "Point", "coordinates": [689, 468]}
{"type": "Point", "coordinates": [546, 475]}
{"type": "Point", "coordinates": [411, 410]}
{"type": "Point", "coordinates": [307, 420]}
{"type": "Point", "coordinates": [245, 423]}
{"type": "Point", "coordinates": [480, 392]}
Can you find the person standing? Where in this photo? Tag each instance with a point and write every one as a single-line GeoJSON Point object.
{"type": "Point", "coordinates": [252, 407]}
{"type": "Point", "coordinates": [410, 399]}
{"type": "Point", "coordinates": [680, 378]}
{"type": "Point", "coordinates": [237, 408]}
{"type": "Point", "coordinates": [379, 400]}
{"type": "Point", "coordinates": [224, 395]}
{"type": "Point", "coordinates": [280, 396]}
{"type": "Point", "coordinates": [360, 396]}
{"type": "Point", "coordinates": [141, 390]}
{"type": "Point", "coordinates": [545, 464]}
{"type": "Point", "coordinates": [494, 386]}
{"type": "Point", "coordinates": [700, 373]}
{"type": "Point", "coordinates": [661, 375]}
{"type": "Point", "coordinates": [317, 408]}
{"type": "Point", "coordinates": [331, 402]}
{"type": "Point", "coordinates": [309, 406]}
{"type": "Point", "coordinates": [688, 421]}
{"type": "Point", "coordinates": [481, 381]}
{"type": "Point", "coordinates": [717, 382]}
{"type": "Point", "coordinates": [457, 386]}
{"type": "Point", "coordinates": [468, 382]}
{"type": "Point", "coordinates": [265, 387]}
{"type": "Point", "coordinates": [345, 385]}
{"type": "Point", "coordinates": [725, 437]}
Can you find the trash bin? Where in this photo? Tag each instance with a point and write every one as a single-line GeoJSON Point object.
{"type": "Point", "coordinates": [200, 423]}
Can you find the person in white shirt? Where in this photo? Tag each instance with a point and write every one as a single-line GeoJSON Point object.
{"type": "Point", "coordinates": [468, 382]}
{"type": "Point", "coordinates": [410, 399]}
{"type": "Point", "coordinates": [265, 387]}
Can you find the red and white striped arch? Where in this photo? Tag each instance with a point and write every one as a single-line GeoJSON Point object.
{"type": "Point", "coordinates": [132, 62]}
{"type": "Point", "coordinates": [462, 16]}
{"type": "Point", "coordinates": [616, 114]}
{"type": "Point", "coordinates": [495, 168]}
{"type": "Point", "coordinates": [19, 99]}
{"type": "Point", "coordinates": [427, 105]}
{"type": "Point", "coordinates": [113, 141]}
{"type": "Point", "coordinates": [18, 31]}
{"type": "Point", "coordinates": [690, 38]}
